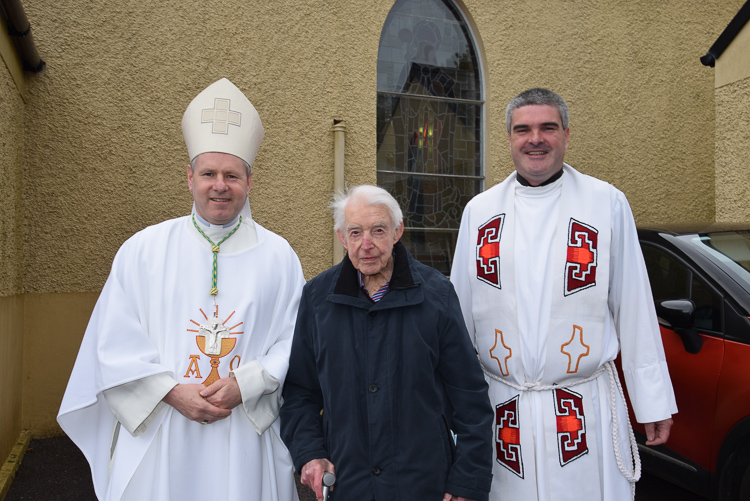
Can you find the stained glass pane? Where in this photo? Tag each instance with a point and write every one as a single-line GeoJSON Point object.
{"type": "Point", "coordinates": [432, 207]}
{"type": "Point", "coordinates": [429, 136]}
{"type": "Point", "coordinates": [426, 41]}
{"type": "Point", "coordinates": [429, 123]}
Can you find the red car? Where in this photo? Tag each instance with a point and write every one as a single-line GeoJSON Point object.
{"type": "Point", "coordinates": [700, 279]}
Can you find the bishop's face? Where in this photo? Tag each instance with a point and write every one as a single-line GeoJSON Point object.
{"type": "Point", "coordinates": [537, 142]}
{"type": "Point", "coordinates": [220, 186]}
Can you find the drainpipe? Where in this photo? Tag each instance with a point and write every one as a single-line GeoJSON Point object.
{"type": "Point", "coordinates": [727, 36]}
{"type": "Point", "coordinates": [19, 29]}
{"type": "Point", "coordinates": [339, 139]}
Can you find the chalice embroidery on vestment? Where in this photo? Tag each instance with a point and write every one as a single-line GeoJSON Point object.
{"type": "Point", "coordinates": [213, 340]}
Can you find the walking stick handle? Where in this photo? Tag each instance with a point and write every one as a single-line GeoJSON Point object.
{"type": "Point", "coordinates": [328, 480]}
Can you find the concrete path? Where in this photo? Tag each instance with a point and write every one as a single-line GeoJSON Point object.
{"type": "Point", "coordinates": [54, 469]}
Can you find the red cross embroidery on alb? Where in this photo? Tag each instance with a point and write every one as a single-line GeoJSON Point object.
{"type": "Point", "coordinates": [571, 425]}
{"type": "Point", "coordinates": [580, 265]}
{"type": "Point", "coordinates": [508, 436]}
{"type": "Point", "coordinates": [488, 251]}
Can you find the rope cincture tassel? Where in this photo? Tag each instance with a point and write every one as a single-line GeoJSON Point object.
{"type": "Point", "coordinates": [215, 250]}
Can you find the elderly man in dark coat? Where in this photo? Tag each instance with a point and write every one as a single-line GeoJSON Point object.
{"type": "Point", "coordinates": [384, 388]}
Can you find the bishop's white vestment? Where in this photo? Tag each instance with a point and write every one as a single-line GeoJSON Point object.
{"type": "Point", "coordinates": [152, 328]}
{"type": "Point", "coordinates": [552, 285]}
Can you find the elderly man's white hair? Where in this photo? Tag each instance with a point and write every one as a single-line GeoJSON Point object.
{"type": "Point", "coordinates": [369, 196]}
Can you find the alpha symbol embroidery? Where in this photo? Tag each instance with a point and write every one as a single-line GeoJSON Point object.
{"type": "Point", "coordinates": [220, 116]}
{"type": "Point", "coordinates": [193, 368]}
{"type": "Point", "coordinates": [575, 349]}
{"type": "Point", "coordinates": [580, 264]}
{"type": "Point", "coordinates": [213, 341]}
{"type": "Point", "coordinates": [508, 436]}
{"type": "Point", "coordinates": [488, 251]}
{"type": "Point", "coordinates": [571, 426]}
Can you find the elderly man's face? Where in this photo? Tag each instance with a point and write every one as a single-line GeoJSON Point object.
{"type": "Point", "coordinates": [220, 186]}
{"type": "Point", "coordinates": [369, 237]}
{"type": "Point", "coordinates": [537, 142]}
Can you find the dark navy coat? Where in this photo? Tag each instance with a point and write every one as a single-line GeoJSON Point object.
{"type": "Point", "coordinates": [393, 379]}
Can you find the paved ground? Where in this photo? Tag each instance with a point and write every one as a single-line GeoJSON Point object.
{"type": "Point", "coordinates": [53, 469]}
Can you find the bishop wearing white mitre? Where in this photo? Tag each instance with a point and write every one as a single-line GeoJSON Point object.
{"type": "Point", "coordinates": [176, 388]}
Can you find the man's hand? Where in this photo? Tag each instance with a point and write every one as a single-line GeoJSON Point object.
{"type": "Point", "coordinates": [312, 475]}
{"type": "Point", "coordinates": [224, 393]}
{"type": "Point", "coordinates": [187, 399]}
{"type": "Point", "coordinates": [451, 497]}
{"type": "Point", "coordinates": [658, 433]}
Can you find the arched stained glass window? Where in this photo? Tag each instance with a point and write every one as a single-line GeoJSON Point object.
{"type": "Point", "coordinates": [429, 150]}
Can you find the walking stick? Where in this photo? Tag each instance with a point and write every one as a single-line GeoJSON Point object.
{"type": "Point", "coordinates": [328, 480]}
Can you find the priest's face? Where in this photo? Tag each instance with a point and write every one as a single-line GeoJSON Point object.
{"type": "Point", "coordinates": [220, 185]}
{"type": "Point", "coordinates": [369, 237]}
{"type": "Point", "coordinates": [537, 142]}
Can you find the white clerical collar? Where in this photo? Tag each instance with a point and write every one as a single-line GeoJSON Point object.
{"type": "Point", "coordinates": [215, 226]}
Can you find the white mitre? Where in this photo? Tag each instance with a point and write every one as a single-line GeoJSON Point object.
{"type": "Point", "coordinates": [221, 119]}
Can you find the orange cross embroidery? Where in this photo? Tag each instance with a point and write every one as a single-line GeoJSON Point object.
{"type": "Point", "coordinates": [575, 348]}
{"type": "Point", "coordinates": [502, 364]}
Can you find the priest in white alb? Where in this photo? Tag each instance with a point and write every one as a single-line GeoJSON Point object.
{"type": "Point", "coordinates": [553, 286]}
{"type": "Point", "coordinates": [177, 385]}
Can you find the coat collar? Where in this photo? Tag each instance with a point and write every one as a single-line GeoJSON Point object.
{"type": "Point", "coordinates": [402, 277]}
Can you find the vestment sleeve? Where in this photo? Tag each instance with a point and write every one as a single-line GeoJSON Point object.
{"type": "Point", "coordinates": [136, 404]}
{"type": "Point", "coordinates": [261, 379]}
{"type": "Point", "coordinates": [260, 394]}
{"type": "Point", "coordinates": [471, 415]}
{"type": "Point", "coordinates": [115, 350]}
{"type": "Point", "coordinates": [461, 272]}
{"type": "Point", "coordinates": [631, 303]}
{"type": "Point", "coordinates": [301, 423]}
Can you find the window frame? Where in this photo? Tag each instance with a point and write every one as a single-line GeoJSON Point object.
{"type": "Point", "coordinates": [481, 103]}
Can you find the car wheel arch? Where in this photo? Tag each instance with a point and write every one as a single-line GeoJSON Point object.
{"type": "Point", "coordinates": [733, 462]}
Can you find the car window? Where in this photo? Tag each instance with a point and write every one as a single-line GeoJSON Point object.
{"type": "Point", "coordinates": [730, 251]}
{"type": "Point", "coordinates": [670, 278]}
{"type": "Point", "coordinates": [707, 306]}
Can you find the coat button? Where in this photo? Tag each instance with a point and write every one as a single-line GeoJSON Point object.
{"type": "Point", "coordinates": [373, 388]}
{"type": "Point", "coordinates": [373, 313]}
{"type": "Point", "coordinates": [376, 471]}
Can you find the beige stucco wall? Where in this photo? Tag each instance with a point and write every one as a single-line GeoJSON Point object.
{"type": "Point", "coordinates": [642, 113]}
{"type": "Point", "coordinates": [54, 326]}
{"type": "Point", "coordinates": [104, 155]}
{"type": "Point", "coordinates": [733, 131]}
{"type": "Point", "coordinates": [11, 255]}
{"type": "Point", "coordinates": [11, 371]}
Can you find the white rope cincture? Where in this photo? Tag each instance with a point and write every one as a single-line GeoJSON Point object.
{"type": "Point", "coordinates": [614, 387]}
